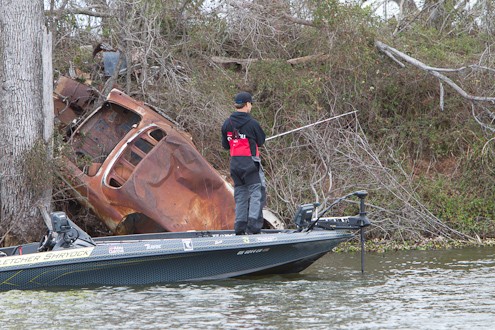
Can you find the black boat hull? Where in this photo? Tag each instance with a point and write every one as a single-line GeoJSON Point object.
{"type": "Point", "coordinates": [138, 260]}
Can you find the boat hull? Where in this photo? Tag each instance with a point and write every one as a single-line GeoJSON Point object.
{"type": "Point", "coordinates": [138, 260]}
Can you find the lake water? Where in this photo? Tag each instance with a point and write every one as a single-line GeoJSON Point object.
{"type": "Point", "coordinates": [452, 289]}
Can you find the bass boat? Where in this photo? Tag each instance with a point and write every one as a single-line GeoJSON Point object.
{"type": "Point", "coordinates": [68, 257]}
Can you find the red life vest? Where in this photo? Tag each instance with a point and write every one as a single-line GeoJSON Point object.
{"type": "Point", "coordinates": [239, 144]}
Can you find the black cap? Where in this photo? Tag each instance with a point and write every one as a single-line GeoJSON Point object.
{"type": "Point", "coordinates": [243, 97]}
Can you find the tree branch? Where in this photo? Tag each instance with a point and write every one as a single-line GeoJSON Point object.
{"type": "Point", "coordinates": [77, 11]}
{"type": "Point", "coordinates": [298, 20]}
{"type": "Point", "coordinates": [286, 16]}
{"type": "Point", "coordinates": [231, 60]}
{"type": "Point", "coordinates": [433, 71]}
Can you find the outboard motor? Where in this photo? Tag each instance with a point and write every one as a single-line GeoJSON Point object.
{"type": "Point", "coordinates": [64, 234]}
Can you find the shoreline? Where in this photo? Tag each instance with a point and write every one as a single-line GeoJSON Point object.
{"type": "Point", "coordinates": [439, 243]}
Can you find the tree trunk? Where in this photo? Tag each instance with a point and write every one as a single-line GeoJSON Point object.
{"type": "Point", "coordinates": [406, 7]}
{"type": "Point", "coordinates": [25, 123]}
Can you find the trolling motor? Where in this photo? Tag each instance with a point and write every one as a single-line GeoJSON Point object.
{"type": "Point", "coordinates": [63, 234]}
{"type": "Point", "coordinates": [304, 219]}
{"type": "Point", "coordinates": [348, 222]}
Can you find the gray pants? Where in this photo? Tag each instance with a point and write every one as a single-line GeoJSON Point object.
{"type": "Point", "coordinates": [248, 208]}
{"type": "Point", "coordinates": [263, 189]}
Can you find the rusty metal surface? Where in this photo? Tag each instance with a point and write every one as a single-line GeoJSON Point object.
{"type": "Point", "coordinates": [71, 99]}
{"type": "Point", "coordinates": [140, 174]}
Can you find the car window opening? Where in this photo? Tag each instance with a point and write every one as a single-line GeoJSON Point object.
{"type": "Point", "coordinates": [132, 156]}
{"type": "Point", "coordinates": [100, 134]}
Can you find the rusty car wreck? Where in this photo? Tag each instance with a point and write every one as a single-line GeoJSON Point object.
{"type": "Point", "coordinates": [136, 170]}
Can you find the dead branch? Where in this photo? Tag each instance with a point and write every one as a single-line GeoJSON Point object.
{"type": "Point", "coordinates": [298, 20]}
{"type": "Point", "coordinates": [77, 11]}
{"type": "Point", "coordinates": [257, 7]}
{"type": "Point", "coordinates": [480, 122]}
{"type": "Point", "coordinates": [310, 58]}
{"type": "Point", "coordinates": [230, 60]}
{"type": "Point", "coordinates": [386, 49]}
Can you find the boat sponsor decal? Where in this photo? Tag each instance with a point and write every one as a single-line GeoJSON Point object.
{"type": "Point", "coordinates": [153, 246]}
{"type": "Point", "coordinates": [265, 239]}
{"type": "Point", "coordinates": [218, 241]}
{"type": "Point", "coordinates": [115, 249]}
{"type": "Point", "coordinates": [244, 252]}
{"type": "Point", "coordinates": [187, 244]}
{"type": "Point", "coordinates": [245, 239]}
{"type": "Point", "coordinates": [35, 258]}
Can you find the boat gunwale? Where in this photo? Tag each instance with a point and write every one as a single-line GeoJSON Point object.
{"type": "Point", "coordinates": [171, 251]}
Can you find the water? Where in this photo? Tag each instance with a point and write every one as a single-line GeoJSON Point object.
{"type": "Point", "coordinates": [453, 289]}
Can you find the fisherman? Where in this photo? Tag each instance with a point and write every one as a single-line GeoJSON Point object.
{"type": "Point", "coordinates": [243, 135]}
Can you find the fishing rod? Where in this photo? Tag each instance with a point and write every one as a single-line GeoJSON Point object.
{"type": "Point", "coordinates": [309, 125]}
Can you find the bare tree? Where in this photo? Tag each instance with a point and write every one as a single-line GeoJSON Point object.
{"type": "Point", "coordinates": [26, 123]}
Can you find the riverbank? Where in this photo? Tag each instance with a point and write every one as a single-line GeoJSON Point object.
{"type": "Point", "coordinates": [438, 243]}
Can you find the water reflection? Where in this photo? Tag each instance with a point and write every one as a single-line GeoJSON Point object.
{"type": "Point", "coordinates": [403, 290]}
